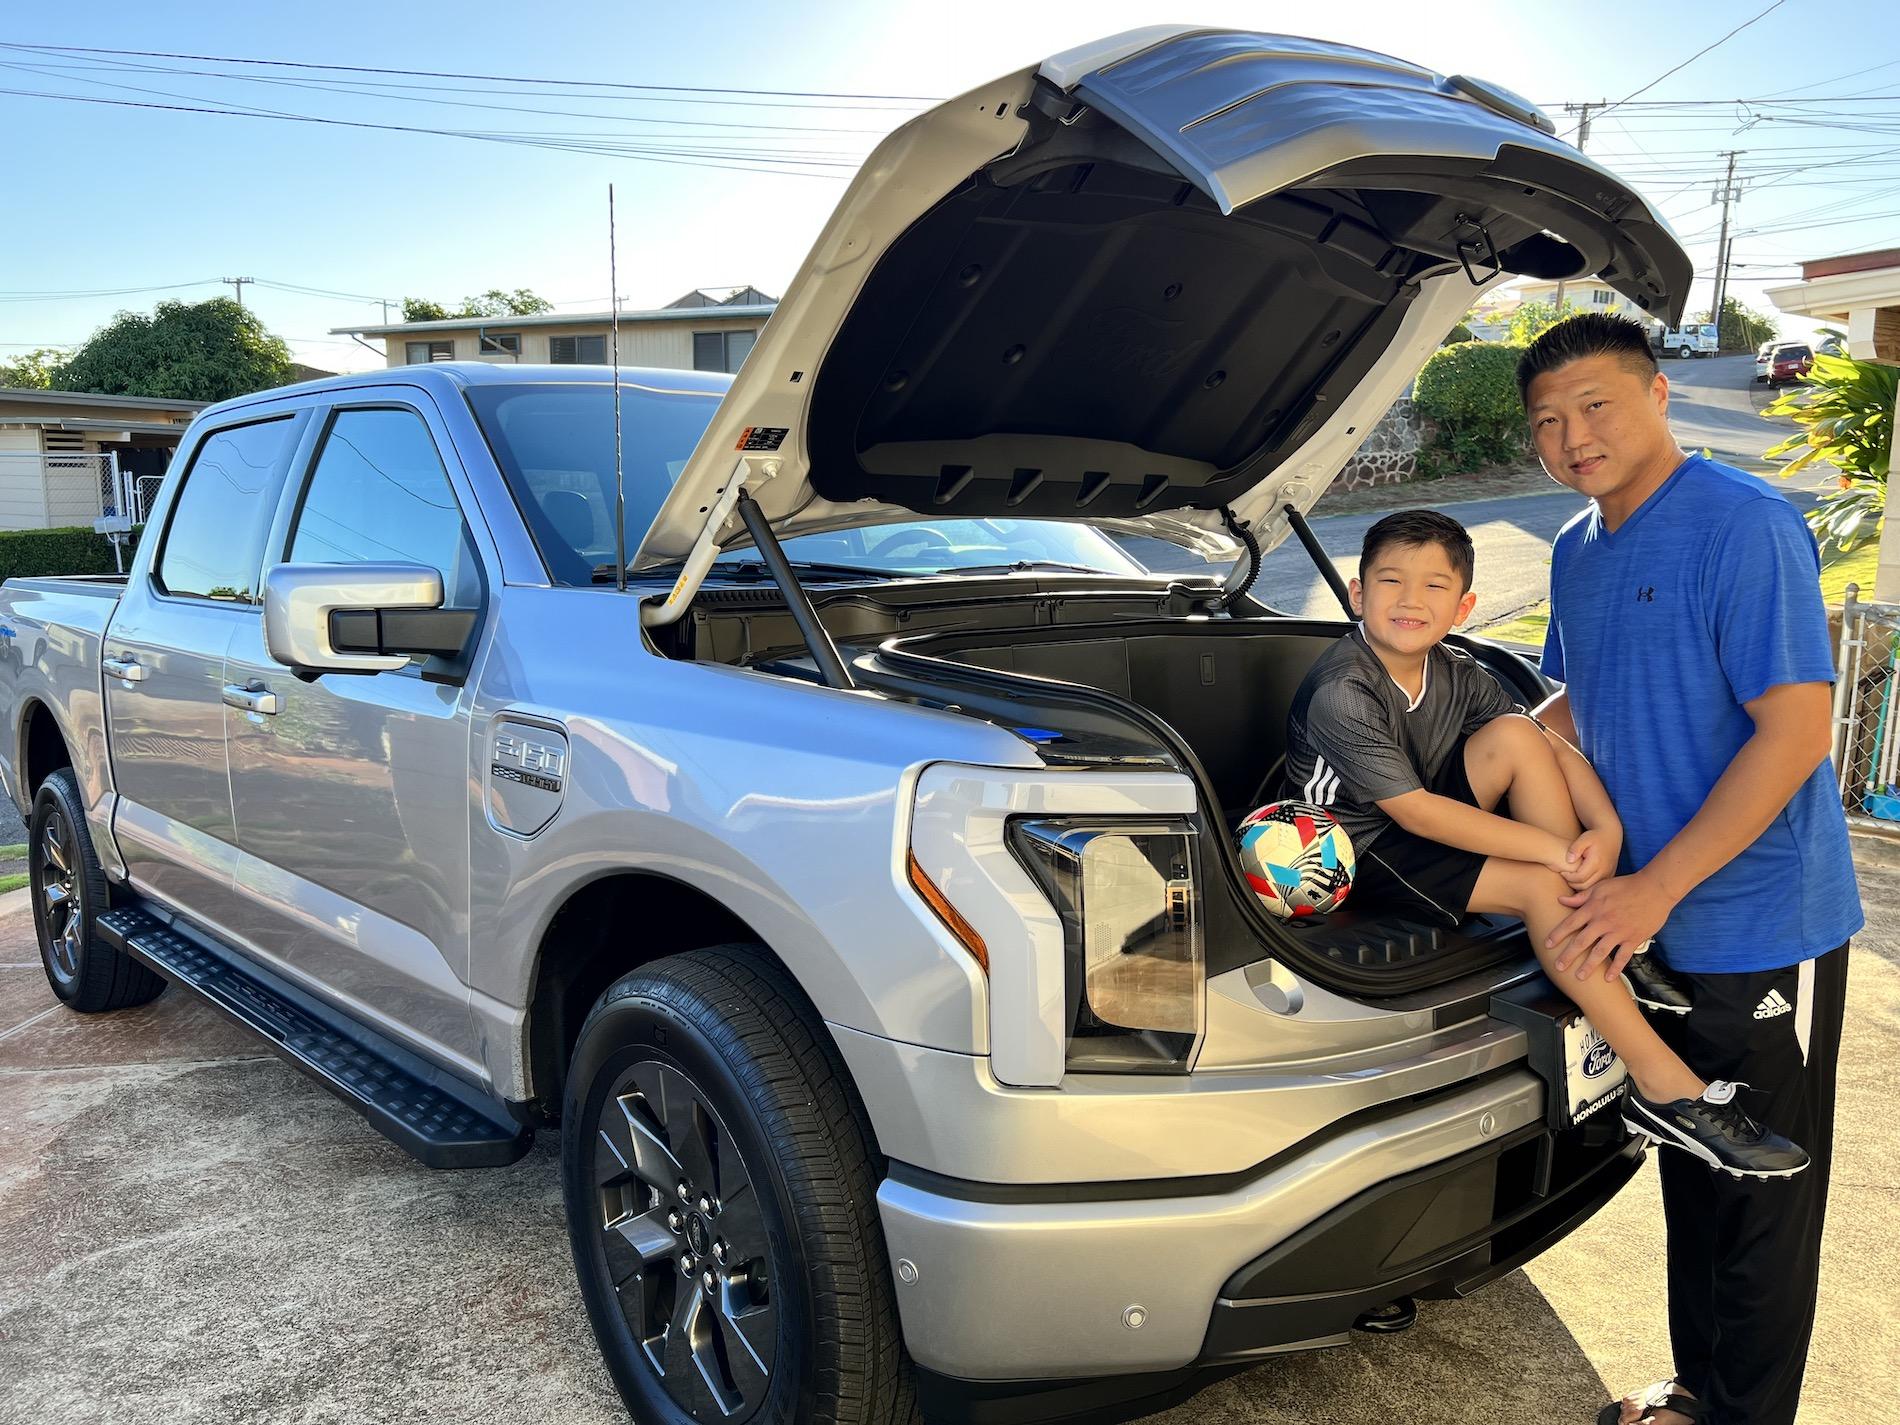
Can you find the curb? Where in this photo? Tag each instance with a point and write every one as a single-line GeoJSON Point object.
{"type": "Point", "coordinates": [15, 901]}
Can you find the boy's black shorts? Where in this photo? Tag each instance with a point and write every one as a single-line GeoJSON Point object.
{"type": "Point", "coordinates": [1407, 873]}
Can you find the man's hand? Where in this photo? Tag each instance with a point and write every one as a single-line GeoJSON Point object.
{"type": "Point", "coordinates": [1593, 857]}
{"type": "Point", "coordinates": [1607, 923]}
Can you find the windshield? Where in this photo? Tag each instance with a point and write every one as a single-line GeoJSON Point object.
{"type": "Point", "coordinates": [555, 446]}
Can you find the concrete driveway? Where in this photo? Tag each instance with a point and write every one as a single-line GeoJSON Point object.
{"type": "Point", "coordinates": [190, 1231]}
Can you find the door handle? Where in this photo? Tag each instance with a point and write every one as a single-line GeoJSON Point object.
{"type": "Point", "coordinates": [252, 697]}
{"type": "Point", "coordinates": [123, 666]}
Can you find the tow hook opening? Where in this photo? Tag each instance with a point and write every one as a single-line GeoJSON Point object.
{"type": "Point", "coordinates": [1390, 1319]}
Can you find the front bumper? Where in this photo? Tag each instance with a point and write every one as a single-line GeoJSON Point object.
{"type": "Point", "coordinates": [1029, 1304]}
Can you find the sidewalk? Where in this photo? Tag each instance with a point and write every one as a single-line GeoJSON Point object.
{"type": "Point", "coordinates": [192, 1232]}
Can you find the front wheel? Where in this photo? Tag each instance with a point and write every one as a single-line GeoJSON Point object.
{"type": "Point", "coordinates": [722, 1204]}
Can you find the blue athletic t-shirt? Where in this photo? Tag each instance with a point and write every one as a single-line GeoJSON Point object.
{"type": "Point", "coordinates": [1707, 596]}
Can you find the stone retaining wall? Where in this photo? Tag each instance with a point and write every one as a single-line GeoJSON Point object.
{"type": "Point", "coordinates": [1390, 452]}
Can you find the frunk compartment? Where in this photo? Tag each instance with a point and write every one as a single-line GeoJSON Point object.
{"type": "Point", "coordinates": [1214, 694]}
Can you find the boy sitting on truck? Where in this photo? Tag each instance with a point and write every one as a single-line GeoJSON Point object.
{"type": "Point", "coordinates": [1411, 746]}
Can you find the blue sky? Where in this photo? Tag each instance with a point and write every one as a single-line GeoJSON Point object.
{"type": "Point", "coordinates": [136, 198]}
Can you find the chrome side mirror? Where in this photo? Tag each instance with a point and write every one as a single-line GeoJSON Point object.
{"type": "Point", "coordinates": [324, 618]}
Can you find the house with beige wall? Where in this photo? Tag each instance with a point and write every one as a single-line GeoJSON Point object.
{"type": "Point", "coordinates": [695, 333]}
{"type": "Point", "coordinates": [66, 457]}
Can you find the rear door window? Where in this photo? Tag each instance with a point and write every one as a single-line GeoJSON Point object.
{"type": "Point", "coordinates": [214, 544]}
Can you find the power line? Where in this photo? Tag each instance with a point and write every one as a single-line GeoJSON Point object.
{"type": "Point", "coordinates": [552, 142]}
{"type": "Point", "coordinates": [1694, 57]}
{"type": "Point", "coordinates": [498, 78]}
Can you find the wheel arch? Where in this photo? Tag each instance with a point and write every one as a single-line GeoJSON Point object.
{"type": "Point", "coordinates": [43, 746]}
{"type": "Point", "coordinates": [585, 948]}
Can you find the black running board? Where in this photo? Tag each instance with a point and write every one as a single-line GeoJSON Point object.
{"type": "Point", "coordinates": [433, 1117]}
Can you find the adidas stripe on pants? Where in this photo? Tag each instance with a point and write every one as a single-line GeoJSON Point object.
{"type": "Point", "coordinates": [1745, 1255]}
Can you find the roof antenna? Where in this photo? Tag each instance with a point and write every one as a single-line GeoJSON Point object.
{"type": "Point", "coordinates": [620, 484]}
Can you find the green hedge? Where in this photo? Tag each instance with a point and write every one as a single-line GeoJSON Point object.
{"type": "Point", "coordinates": [1469, 393]}
{"type": "Point", "coordinates": [29, 553]}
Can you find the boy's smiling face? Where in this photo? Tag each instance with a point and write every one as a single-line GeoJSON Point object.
{"type": "Point", "coordinates": [1410, 598]}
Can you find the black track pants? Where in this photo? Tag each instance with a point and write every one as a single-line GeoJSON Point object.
{"type": "Point", "coordinates": [1745, 1254]}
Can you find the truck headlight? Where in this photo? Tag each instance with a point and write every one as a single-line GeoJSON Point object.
{"type": "Point", "coordinates": [1131, 915]}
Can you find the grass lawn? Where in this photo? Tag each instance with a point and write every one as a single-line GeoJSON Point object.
{"type": "Point", "coordinates": [1838, 570]}
{"type": "Point", "coordinates": [13, 882]}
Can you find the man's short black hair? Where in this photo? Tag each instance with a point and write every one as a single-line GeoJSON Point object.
{"type": "Point", "coordinates": [1591, 334]}
{"type": "Point", "coordinates": [1411, 529]}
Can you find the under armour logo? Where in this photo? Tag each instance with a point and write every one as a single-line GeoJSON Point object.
{"type": "Point", "coordinates": [1647, 595]}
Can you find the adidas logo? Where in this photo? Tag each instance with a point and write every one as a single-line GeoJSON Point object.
{"type": "Point", "coordinates": [1773, 1005]}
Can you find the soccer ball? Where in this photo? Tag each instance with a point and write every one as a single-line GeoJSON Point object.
{"type": "Point", "coordinates": [1296, 858]}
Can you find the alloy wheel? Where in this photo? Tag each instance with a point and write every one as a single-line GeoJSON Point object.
{"type": "Point", "coordinates": [684, 1242]}
{"type": "Point", "coordinates": [55, 868]}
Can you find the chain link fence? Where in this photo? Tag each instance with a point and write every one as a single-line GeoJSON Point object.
{"type": "Point", "coordinates": [1867, 714]}
{"type": "Point", "coordinates": [57, 488]}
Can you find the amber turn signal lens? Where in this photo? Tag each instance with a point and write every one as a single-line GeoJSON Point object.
{"type": "Point", "coordinates": [964, 932]}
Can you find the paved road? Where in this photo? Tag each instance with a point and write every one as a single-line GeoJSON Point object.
{"type": "Point", "coordinates": [191, 1233]}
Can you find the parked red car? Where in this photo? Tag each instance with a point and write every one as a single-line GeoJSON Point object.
{"type": "Point", "coordinates": [1789, 363]}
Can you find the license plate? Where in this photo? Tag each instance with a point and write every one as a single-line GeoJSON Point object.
{"type": "Point", "coordinates": [1594, 1073]}
{"type": "Point", "coordinates": [1582, 1074]}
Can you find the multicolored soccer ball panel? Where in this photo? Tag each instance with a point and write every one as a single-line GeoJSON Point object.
{"type": "Point", "coordinates": [1297, 859]}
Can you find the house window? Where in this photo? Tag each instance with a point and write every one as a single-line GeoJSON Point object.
{"type": "Point", "coordinates": [1602, 297]}
{"type": "Point", "coordinates": [577, 350]}
{"type": "Point", "coordinates": [501, 344]}
{"type": "Point", "coordinates": [721, 351]}
{"type": "Point", "coordinates": [422, 352]}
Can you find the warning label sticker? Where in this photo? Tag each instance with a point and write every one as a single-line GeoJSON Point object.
{"type": "Point", "coordinates": [761, 438]}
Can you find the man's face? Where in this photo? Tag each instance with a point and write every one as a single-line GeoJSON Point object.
{"type": "Point", "coordinates": [1599, 427]}
{"type": "Point", "coordinates": [1411, 597]}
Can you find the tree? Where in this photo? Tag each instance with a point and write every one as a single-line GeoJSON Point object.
{"type": "Point", "coordinates": [493, 303]}
{"type": "Point", "coordinates": [1459, 333]}
{"type": "Point", "coordinates": [184, 351]}
{"type": "Point", "coordinates": [1532, 319]}
{"type": "Point", "coordinates": [34, 371]}
{"type": "Point", "coordinates": [1742, 329]}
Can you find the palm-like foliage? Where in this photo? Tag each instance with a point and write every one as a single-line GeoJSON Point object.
{"type": "Point", "coordinates": [1845, 412]}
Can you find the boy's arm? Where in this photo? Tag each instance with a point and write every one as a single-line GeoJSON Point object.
{"type": "Point", "coordinates": [1454, 823]}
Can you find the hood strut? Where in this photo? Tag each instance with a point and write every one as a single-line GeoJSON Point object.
{"type": "Point", "coordinates": [823, 651]}
{"type": "Point", "coordinates": [1327, 570]}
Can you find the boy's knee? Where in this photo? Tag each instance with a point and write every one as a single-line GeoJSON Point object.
{"type": "Point", "coordinates": [1512, 738]}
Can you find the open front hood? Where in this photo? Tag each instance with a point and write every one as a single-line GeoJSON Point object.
{"type": "Point", "coordinates": [1170, 273]}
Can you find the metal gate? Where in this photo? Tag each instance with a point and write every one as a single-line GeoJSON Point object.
{"type": "Point", "coordinates": [1867, 714]}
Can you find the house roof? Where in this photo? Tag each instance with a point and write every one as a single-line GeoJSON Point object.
{"type": "Point", "coordinates": [26, 395]}
{"type": "Point", "coordinates": [1851, 262]}
{"type": "Point", "coordinates": [715, 312]}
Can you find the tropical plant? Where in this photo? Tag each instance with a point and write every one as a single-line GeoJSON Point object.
{"type": "Point", "coordinates": [186, 351]}
{"type": "Point", "coordinates": [1845, 417]}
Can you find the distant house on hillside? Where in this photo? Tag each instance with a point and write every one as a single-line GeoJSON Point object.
{"type": "Point", "coordinates": [698, 332]}
{"type": "Point", "coordinates": [1490, 320]}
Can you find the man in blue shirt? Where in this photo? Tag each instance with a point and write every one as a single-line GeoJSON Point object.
{"type": "Point", "coordinates": [1688, 629]}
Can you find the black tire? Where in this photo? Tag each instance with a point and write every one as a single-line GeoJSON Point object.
{"type": "Point", "coordinates": [86, 974]}
{"type": "Point", "coordinates": [728, 1025]}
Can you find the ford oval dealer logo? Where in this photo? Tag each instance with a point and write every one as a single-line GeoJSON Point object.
{"type": "Point", "coordinates": [1597, 1060]}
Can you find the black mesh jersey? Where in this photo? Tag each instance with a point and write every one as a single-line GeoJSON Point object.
{"type": "Point", "coordinates": [1354, 737]}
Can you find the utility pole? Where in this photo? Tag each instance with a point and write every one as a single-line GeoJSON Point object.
{"type": "Point", "coordinates": [237, 282]}
{"type": "Point", "coordinates": [1583, 137]}
{"type": "Point", "coordinates": [1729, 194]}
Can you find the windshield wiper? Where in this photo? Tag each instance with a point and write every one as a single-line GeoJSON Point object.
{"type": "Point", "coordinates": [751, 571]}
{"type": "Point", "coordinates": [1026, 566]}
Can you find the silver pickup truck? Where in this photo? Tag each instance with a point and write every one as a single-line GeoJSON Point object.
{"type": "Point", "coordinates": [808, 806]}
